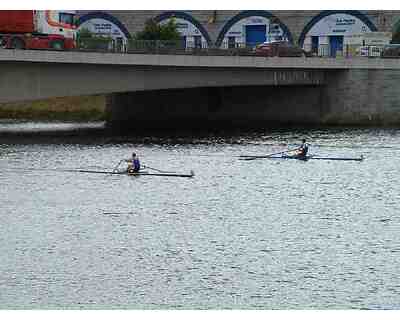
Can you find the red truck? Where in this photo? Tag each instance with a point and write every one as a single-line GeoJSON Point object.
{"type": "Point", "coordinates": [35, 29]}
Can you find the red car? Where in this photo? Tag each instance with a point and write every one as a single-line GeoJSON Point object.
{"type": "Point", "coordinates": [279, 49]}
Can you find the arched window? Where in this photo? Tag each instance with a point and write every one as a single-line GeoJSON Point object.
{"type": "Point", "coordinates": [249, 28]}
{"type": "Point", "coordinates": [102, 23]}
{"type": "Point", "coordinates": [192, 32]}
{"type": "Point", "coordinates": [329, 32]}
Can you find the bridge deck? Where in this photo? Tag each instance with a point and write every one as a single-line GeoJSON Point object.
{"type": "Point", "coordinates": [197, 61]}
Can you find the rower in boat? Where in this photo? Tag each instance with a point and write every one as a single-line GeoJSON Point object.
{"type": "Point", "coordinates": [133, 164]}
{"type": "Point", "coordinates": [302, 150]}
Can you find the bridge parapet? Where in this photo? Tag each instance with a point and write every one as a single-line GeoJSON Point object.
{"type": "Point", "coordinates": [97, 58]}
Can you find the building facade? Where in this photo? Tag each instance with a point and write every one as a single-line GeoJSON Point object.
{"type": "Point", "coordinates": [311, 30]}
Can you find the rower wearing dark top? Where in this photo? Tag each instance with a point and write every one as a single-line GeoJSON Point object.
{"type": "Point", "coordinates": [302, 150]}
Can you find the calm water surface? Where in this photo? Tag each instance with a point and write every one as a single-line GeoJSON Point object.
{"type": "Point", "coordinates": [263, 234]}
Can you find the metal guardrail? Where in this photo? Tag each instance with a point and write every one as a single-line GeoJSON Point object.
{"type": "Point", "coordinates": [355, 50]}
{"type": "Point", "coordinates": [158, 47]}
{"type": "Point", "coordinates": [89, 44]}
{"type": "Point", "coordinates": [243, 49]}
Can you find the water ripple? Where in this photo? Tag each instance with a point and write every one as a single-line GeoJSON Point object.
{"type": "Point", "coordinates": [242, 234]}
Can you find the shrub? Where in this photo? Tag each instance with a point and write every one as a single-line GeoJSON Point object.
{"type": "Point", "coordinates": [156, 31]}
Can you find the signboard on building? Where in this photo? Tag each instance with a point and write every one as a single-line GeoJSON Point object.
{"type": "Point", "coordinates": [370, 39]}
{"type": "Point", "coordinates": [338, 24]}
{"type": "Point", "coordinates": [103, 27]}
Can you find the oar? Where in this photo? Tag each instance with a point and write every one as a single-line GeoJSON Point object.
{"type": "Point", "coordinates": [119, 163]}
{"type": "Point", "coordinates": [93, 171]}
{"type": "Point", "coordinates": [265, 156]}
{"type": "Point", "coordinates": [158, 170]}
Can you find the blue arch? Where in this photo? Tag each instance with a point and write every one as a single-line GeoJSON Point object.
{"type": "Point", "coordinates": [250, 13]}
{"type": "Point", "coordinates": [326, 13]}
{"type": "Point", "coordinates": [187, 17]}
{"type": "Point", "coordinates": [105, 16]}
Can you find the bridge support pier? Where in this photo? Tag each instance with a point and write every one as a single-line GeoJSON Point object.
{"type": "Point", "coordinates": [215, 108]}
{"type": "Point", "coordinates": [362, 97]}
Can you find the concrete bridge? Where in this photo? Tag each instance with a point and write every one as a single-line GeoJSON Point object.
{"type": "Point", "coordinates": [169, 91]}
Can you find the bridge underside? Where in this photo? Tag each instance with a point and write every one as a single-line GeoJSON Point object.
{"type": "Point", "coordinates": [353, 97]}
{"type": "Point", "coordinates": [215, 108]}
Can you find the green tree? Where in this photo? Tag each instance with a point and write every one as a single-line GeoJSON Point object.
{"type": "Point", "coordinates": [154, 31]}
{"type": "Point", "coordinates": [83, 34]}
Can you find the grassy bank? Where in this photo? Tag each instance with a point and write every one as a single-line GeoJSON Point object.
{"type": "Point", "coordinates": [84, 108]}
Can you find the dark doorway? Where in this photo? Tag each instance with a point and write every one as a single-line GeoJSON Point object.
{"type": "Point", "coordinates": [255, 34]}
{"type": "Point", "coordinates": [335, 44]}
{"type": "Point", "coordinates": [314, 44]}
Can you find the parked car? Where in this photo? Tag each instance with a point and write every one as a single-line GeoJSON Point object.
{"type": "Point", "coordinates": [280, 49]}
{"type": "Point", "coordinates": [391, 51]}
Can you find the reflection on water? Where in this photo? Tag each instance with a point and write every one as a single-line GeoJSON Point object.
{"type": "Point", "coordinates": [263, 234]}
{"type": "Point", "coordinates": [21, 126]}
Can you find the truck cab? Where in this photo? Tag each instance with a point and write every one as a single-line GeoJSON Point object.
{"type": "Point", "coordinates": [38, 29]}
{"type": "Point", "coordinates": [56, 23]}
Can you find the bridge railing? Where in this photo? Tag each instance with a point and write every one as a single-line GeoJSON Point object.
{"type": "Point", "coordinates": [97, 44]}
{"type": "Point", "coordinates": [346, 51]}
{"type": "Point", "coordinates": [246, 49]}
{"type": "Point", "coordinates": [154, 46]}
{"type": "Point", "coordinates": [355, 50]}
{"type": "Point", "coordinates": [180, 47]}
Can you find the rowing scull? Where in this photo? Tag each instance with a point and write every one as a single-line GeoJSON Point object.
{"type": "Point", "coordinates": [144, 173]}
{"type": "Point", "coordinates": [300, 158]}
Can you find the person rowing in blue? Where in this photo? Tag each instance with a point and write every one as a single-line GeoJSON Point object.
{"type": "Point", "coordinates": [133, 164]}
{"type": "Point", "coordinates": [302, 150]}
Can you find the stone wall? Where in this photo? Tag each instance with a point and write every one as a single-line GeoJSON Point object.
{"type": "Point", "coordinates": [362, 97]}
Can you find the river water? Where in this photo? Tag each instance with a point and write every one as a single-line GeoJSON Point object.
{"type": "Point", "coordinates": [262, 234]}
